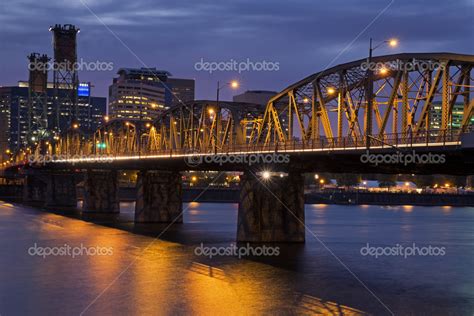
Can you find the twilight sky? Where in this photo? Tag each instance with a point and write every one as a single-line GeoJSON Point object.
{"type": "Point", "coordinates": [299, 36]}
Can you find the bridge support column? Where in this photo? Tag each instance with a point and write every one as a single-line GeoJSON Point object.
{"type": "Point", "coordinates": [34, 190]}
{"type": "Point", "coordinates": [159, 197]}
{"type": "Point", "coordinates": [101, 189]}
{"type": "Point", "coordinates": [50, 189]}
{"type": "Point", "coordinates": [61, 191]}
{"type": "Point", "coordinates": [271, 210]}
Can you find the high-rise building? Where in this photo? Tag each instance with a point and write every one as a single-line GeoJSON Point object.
{"type": "Point", "coordinates": [14, 112]}
{"type": "Point", "coordinates": [137, 94]}
{"type": "Point", "coordinates": [182, 91]}
{"type": "Point", "coordinates": [144, 93]}
{"type": "Point", "coordinates": [456, 118]}
{"type": "Point", "coordinates": [255, 96]}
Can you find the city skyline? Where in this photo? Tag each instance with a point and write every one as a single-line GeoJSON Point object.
{"type": "Point", "coordinates": [245, 31]}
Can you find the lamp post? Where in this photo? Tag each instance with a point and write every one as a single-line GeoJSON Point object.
{"type": "Point", "coordinates": [234, 84]}
{"type": "Point", "coordinates": [370, 88]}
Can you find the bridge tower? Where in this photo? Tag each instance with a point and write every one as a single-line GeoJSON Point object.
{"type": "Point", "coordinates": [66, 79]}
{"type": "Point", "coordinates": [37, 97]}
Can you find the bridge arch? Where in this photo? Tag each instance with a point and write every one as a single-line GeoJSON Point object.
{"type": "Point", "coordinates": [332, 104]}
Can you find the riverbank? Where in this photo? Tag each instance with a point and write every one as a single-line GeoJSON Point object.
{"type": "Point", "coordinates": [231, 195]}
{"type": "Point", "coordinates": [222, 195]}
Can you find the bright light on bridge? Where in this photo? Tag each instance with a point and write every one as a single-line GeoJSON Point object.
{"type": "Point", "coordinates": [331, 90]}
{"type": "Point", "coordinates": [266, 175]}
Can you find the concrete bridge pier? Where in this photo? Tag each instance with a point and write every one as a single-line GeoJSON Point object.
{"type": "Point", "coordinates": [159, 197]}
{"type": "Point", "coordinates": [101, 192]}
{"type": "Point", "coordinates": [50, 189]}
{"type": "Point", "coordinates": [61, 190]}
{"type": "Point", "coordinates": [271, 210]}
{"type": "Point", "coordinates": [34, 189]}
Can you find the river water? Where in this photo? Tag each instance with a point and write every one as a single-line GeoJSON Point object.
{"type": "Point", "coordinates": [106, 265]}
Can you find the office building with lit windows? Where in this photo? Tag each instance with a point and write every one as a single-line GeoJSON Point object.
{"type": "Point", "coordinates": [144, 93]}
{"type": "Point", "coordinates": [456, 118]}
{"type": "Point", "coordinates": [14, 113]}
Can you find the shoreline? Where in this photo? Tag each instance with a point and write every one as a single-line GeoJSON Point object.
{"type": "Point", "coordinates": [231, 195]}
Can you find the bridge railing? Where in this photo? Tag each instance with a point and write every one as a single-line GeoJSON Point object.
{"type": "Point", "coordinates": [408, 140]}
{"type": "Point", "coordinates": [403, 141]}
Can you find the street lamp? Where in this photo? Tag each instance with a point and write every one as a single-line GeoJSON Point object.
{"type": "Point", "coordinates": [370, 87]}
{"type": "Point", "coordinates": [393, 42]}
{"type": "Point", "coordinates": [234, 84]}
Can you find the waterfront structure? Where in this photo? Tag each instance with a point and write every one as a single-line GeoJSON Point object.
{"type": "Point", "coordinates": [15, 111]}
{"type": "Point", "coordinates": [142, 94]}
{"type": "Point", "coordinates": [65, 77]}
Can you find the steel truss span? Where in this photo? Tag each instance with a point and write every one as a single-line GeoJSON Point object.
{"type": "Point", "coordinates": [416, 100]}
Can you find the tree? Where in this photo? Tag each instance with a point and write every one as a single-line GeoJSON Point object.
{"type": "Point", "coordinates": [387, 180]}
{"type": "Point", "coordinates": [347, 179]}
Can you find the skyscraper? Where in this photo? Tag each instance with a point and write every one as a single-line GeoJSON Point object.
{"type": "Point", "coordinates": [144, 93]}
{"type": "Point", "coordinates": [14, 113]}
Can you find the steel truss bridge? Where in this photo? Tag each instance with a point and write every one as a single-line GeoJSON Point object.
{"type": "Point", "coordinates": [416, 101]}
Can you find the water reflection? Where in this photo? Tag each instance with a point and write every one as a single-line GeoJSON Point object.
{"type": "Point", "coordinates": [149, 276]}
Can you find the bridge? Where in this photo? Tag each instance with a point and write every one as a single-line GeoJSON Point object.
{"type": "Point", "coordinates": [354, 117]}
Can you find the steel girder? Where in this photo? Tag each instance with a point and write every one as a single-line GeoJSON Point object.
{"type": "Point", "coordinates": [325, 107]}
{"type": "Point", "coordinates": [336, 99]}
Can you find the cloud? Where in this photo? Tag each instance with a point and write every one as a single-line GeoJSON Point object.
{"type": "Point", "coordinates": [303, 35]}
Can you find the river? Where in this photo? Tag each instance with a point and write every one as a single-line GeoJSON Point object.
{"type": "Point", "coordinates": [63, 262]}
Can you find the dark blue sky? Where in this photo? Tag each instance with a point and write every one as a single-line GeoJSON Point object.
{"type": "Point", "coordinates": [303, 37]}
